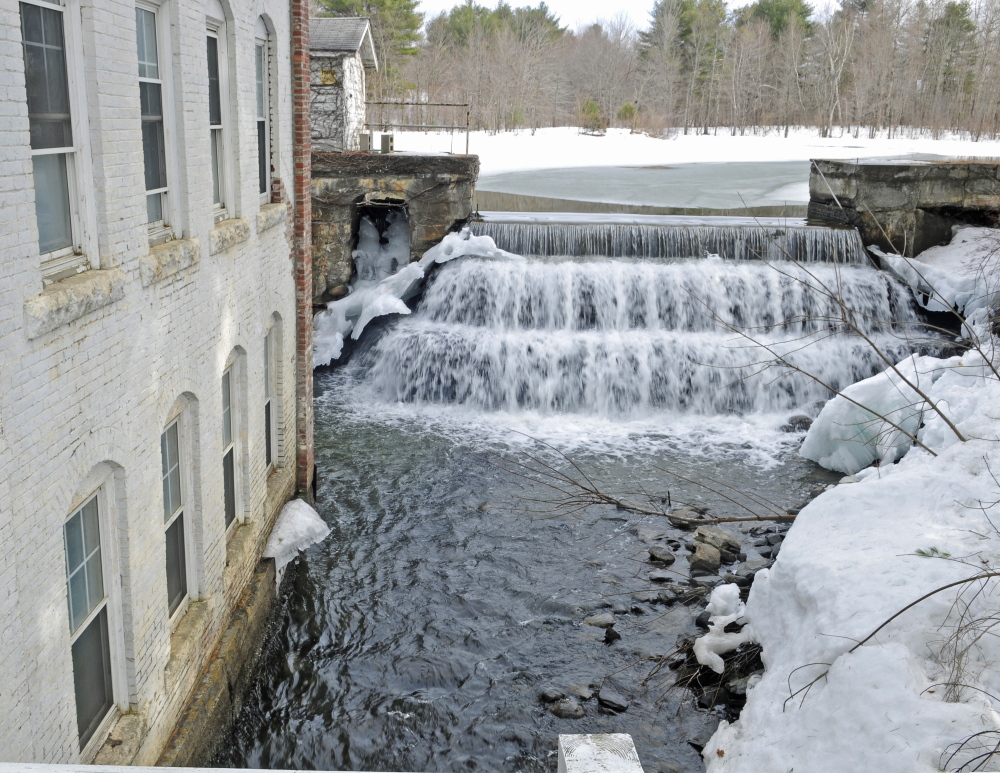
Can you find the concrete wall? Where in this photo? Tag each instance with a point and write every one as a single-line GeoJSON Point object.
{"type": "Point", "coordinates": [905, 206]}
{"type": "Point", "coordinates": [437, 191]}
{"type": "Point", "coordinates": [337, 82]}
{"type": "Point", "coordinates": [95, 366]}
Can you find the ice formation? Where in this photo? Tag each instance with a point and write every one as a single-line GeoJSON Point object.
{"type": "Point", "coordinates": [298, 526]}
{"type": "Point", "coordinates": [371, 298]}
{"type": "Point", "coordinates": [724, 607]}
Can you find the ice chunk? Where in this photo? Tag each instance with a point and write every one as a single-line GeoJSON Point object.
{"type": "Point", "coordinates": [371, 298]}
{"type": "Point", "coordinates": [298, 526]}
{"type": "Point", "coordinates": [725, 607]}
{"type": "Point", "coordinates": [852, 430]}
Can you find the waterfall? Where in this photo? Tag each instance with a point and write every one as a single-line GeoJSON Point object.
{"type": "Point", "coordinates": [628, 339]}
{"type": "Point", "coordinates": [677, 237]}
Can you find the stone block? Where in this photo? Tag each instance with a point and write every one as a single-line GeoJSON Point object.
{"type": "Point", "coordinates": [70, 299]}
{"type": "Point", "coordinates": [167, 259]}
{"type": "Point", "coordinates": [228, 234]}
{"type": "Point", "coordinates": [598, 753]}
{"type": "Point", "coordinates": [270, 215]}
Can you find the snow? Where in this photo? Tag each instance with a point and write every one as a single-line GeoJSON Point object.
{"type": "Point", "coordinates": [857, 555]}
{"type": "Point", "coordinates": [298, 526]}
{"type": "Point", "coordinates": [568, 147]}
{"type": "Point", "coordinates": [376, 297]}
{"type": "Point", "coordinates": [724, 607]}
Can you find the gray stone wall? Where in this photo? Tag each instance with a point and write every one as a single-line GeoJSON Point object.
{"type": "Point", "coordinates": [337, 82]}
{"type": "Point", "coordinates": [905, 206]}
{"type": "Point", "coordinates": [437, 191]}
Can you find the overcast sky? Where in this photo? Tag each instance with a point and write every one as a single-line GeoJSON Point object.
{"type": "Point", "coordinates": [571, 13]}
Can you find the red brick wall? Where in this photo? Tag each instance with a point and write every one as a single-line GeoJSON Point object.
{"type": "Point", "coordinates": [302, 246]}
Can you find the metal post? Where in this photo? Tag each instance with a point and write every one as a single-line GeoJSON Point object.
{"type": "Point", "coordinates": [468, 122]}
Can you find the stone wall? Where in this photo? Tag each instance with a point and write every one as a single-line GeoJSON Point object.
{"type": "Point", "coordinates": [95, 366]}
{"type": "Point", "coordinates": [902, 205]}
{"type": "Point", "coordinates": [436, 190]}
{"type": "Point", "coordinates": [337, 82]}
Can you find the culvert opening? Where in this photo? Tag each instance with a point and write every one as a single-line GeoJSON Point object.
{"type": "Point", "coordinates": [382, 240]}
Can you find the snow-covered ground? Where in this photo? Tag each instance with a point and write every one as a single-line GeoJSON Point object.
{"type": "Point", "coordinates": [567, 147]}
{"type": "Point", "coordinates": [866, 549]}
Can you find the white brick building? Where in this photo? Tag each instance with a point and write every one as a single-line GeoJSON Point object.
{"type": "Point", "coordinates": [142, 267]}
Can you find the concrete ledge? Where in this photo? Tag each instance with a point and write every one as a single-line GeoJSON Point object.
{"type": "Point", "coordinates": [598, 753]}
{"type": "Point", "coordinates": [270, 215]}
{"type": "Point", "coordinates": [69, 299]}
{"type": "Point", "coordinates": [228, 234]}
{"type": "Point", "coordinates": [167, 259]}
{"type": "Point", "coordinates": [218, 692]}
{"type": "Point", "coordinates": [123, 742]}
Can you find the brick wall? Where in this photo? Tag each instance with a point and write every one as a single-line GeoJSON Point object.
{"type": "Point", "coordinates": [89, 398]}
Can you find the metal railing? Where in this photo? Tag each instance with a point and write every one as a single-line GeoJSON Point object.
{"type": "Point", "coordinates": [392, 123]}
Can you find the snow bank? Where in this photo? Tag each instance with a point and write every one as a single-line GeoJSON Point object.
{"type": "Point", "coordinates": [957, 276]}
{"type": "Point", "coordinates": [567, 147]}
{"type": "Point", "coordinates": [298, 526]}
{"type": "Point", "coordinates": [387, 295]}
{"type": "Point", "coordinates": [856, 556]}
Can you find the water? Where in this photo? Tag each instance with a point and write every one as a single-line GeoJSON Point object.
{"type": "Point", "coordinates": [419, 636]}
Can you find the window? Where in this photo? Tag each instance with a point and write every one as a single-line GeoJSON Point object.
{"type": "Point", "coordinates": [217, 110]}
{"type": "Point", "coordinates": [154, 150]}
{"type": "Point", "coordinates": [269, 395]}
{"type": "Point", "coordinates": [173, 516]}
{"type": "Point", "coordinates": [261, 60]}
{"type": "Point", "coordinates": [229, 417]}
{"type": "Point", "coordinates": [88, 619]}
{"type": "Point", "coordinates": [53, 132]}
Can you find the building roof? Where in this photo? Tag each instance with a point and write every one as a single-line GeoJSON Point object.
{"type": "Point", "coordinates": [343, 33]}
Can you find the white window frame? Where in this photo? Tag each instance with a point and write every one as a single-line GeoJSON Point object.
{"type": "Point", "coordinates": [74, 259]}
{"type": "Point", "coordinates": [102, 490]}
{"type": "Point", "coordinates": [235, 445]}
{"type": "Point", "coordinates": [187, 508]}
{"type": "Point", "coordinates": [226, 207]}
{"type": "Point", "coordinates": [272, 401]}
{"type": "Point", "coordinates": [265, 44]}
{"type": "Point", "coordinates": [166, 229]}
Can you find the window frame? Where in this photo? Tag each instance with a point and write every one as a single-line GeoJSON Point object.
{"type": "Point", "coordinates": [112, 602]}
{"type": "Point", "coordinates": [167, 228]}
{"type": "Point", "coordinates": [234, 446]}
{"type": "Point", "coordinates": [226, 206]}
{"type": "Point", "coordinates": [271, 402]}
{"type": "Point", "coordinates": [82, 254]}
{"type": "Point", "coordinates": [186, 510]}
{"type": "Point", "coordinates": [263, 111]}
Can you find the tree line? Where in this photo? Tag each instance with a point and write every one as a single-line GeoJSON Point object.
{"type": "Point", "coordinates": [873, 66]}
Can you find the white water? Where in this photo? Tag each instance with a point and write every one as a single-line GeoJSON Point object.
{"type": "Point", "coordinates": [735, 239]}
{"type": "Point", "coordinates": [695, 354]}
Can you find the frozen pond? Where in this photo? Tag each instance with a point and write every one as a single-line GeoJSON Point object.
{"type": "Point", "coordinates": [693, 186]}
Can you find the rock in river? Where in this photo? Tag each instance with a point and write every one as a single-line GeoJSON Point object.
{"type": "Point", "coordinates": [611, 696]}
{"type": "Point", "coordinates": [659, 553]}
{"type": "Point", "coordinates": [717, 538]}
{"type": "Point", "coordinates": [552, 695]}
{"type": "Point", "coordinates": [603, 620]}
{"type": "Point", "coordinates": [705, 559]}
{"type": "Point", "coordinates": [661, 575]}
{"type": "Point", "coordinates": [567, 709]}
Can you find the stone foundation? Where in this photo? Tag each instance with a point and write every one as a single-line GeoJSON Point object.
{"type": "Point", "coordinates": [906, 206]}
{"type": "Point", "coordinates": [436, 191]}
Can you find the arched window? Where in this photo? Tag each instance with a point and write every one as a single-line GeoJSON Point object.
{"type": "Point", "coordinates": [262, 66]}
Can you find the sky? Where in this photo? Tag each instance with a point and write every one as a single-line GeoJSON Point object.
{"type": "Point", "coordinates": [571, 13]}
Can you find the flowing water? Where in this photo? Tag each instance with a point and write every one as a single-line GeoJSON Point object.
{"type": "Point", "coordinates": [420, 635]}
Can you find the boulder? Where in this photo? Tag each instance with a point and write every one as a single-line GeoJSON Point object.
{"type": "Point", "coordinates": [581, 691]}
{"type": "Point", "coordinates": [661, 575]}
{"type": "Point", "coordinates": [662, 554]}
{"type": "Point", "coordinates": [567, 709]}
{"type": "Point", "coordinates": [612, 696]}
{"type": "Point", "coordinates": [706, 558]}
{"type": "Point", "coordinates": [603, 620]}
{"type": "Point", "coordinates": [551, 695]}
{"type": "Point", "coordinates": [717, 538]}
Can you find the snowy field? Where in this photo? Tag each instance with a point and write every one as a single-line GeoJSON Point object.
{"type": "Point", "coordinates": [921, 694]}
{"type": "Point", "coordinates": [567, 147]}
